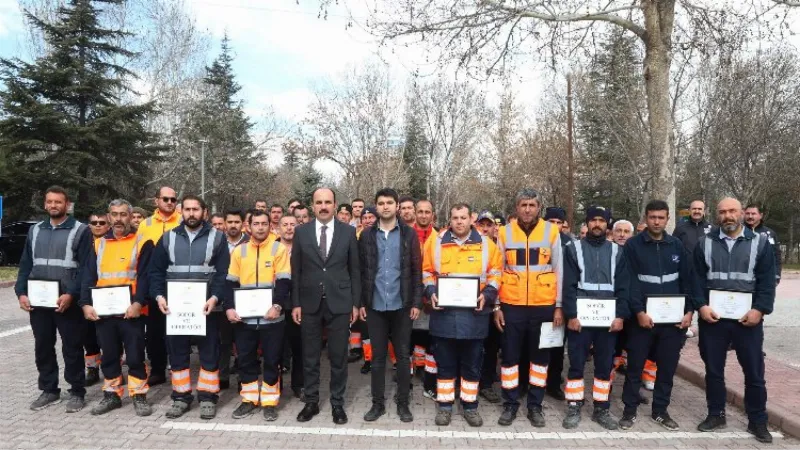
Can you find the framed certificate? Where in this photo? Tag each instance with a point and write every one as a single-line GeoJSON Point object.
{"type": "Point", "coordinates": [730, 304]}
{"type": "Point", "coordinates": [43, 293]}
{"type": "Point", "coordinates": [597, 312]}
{"type": "Point", "coordinates": [186, 300]}
{"type": "Point", "coordinates": [551, 337]}
{"type": "Point", "coordinates": [252, 302]}
{"type": "Point", "coordinates": [111, 300]}
{"type": "Point", "coordinates": [666, 308]}
{"type": "Point", "coordinates": [458, 292]}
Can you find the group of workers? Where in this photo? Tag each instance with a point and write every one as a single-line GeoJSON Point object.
{"type": "Point", "coordinates": [381, 283]}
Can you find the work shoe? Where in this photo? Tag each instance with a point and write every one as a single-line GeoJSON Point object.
{"type": "Point", "coordinates": [605, 419]}
{"type": "Point", "coordinates": [140, 405]}
{"type": "Point", "coordinates": [507, 416]}
{"type": "Point", "coordinates": [246, 409]}
{"type": "Point", "coordinates": [760, 431]}
{"type": "Point", "coordinates": [75, 403]}
{"type": "Point", "coordinates": [490, 395]}
{"type": "Point", "coordinates": [404, 413]}
{"type": "Point", "coordinates": [643, 400]}
{"type": "Point", "coordinates": [224, 384]}
{"type": "Point", "coordinates": [443, 417]}
{"type": "Point", "coordinates": [627, 421]}
{"type": "Point", "coordinates": [429, 393]}
{"type": "Point", "coordinates": [45, 400]}
{"type": "Point", "coordinates": [270, 414]}
{"type": "Point", "coordinates": [713, 423]}
{"type": "Point", "coordinates": [208, 410]}
{"type": "Point", "coordinates": [573, 417]}
{"type": "Point", "coordinates": [109, 403]}
{"type": "Point", "coordinates": [665, 421]}
{"type": "Point", "coordinates": [536, 416]}
{"type": "Point", "coordinates": [473, 418]}
{"type": "Point", "coordinates": [92, 376]}
{"type": "Point", "coordinates": [365, 369]}
{"type": "Point", "coordinates": [375, 412]}
{"type": "Point", "coordinates": [177, 409]}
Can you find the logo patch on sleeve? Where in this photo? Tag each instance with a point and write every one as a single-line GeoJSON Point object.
{"type": "Point", "coordinates": [676, 258]}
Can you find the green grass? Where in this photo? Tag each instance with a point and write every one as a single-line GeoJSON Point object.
{"type": "Point", "coordinates": [791, 266]}
{"type": "Point", "coordinates": [8, 273]}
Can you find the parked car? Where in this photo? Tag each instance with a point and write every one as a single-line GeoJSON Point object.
{"type": "Point", "coordinates": [12, 241]}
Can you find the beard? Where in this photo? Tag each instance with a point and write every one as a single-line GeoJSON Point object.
{"type": "Point", "coordinates": [730, 226]}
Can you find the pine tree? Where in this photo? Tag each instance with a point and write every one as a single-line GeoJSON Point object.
{"type": "Point", "coordinates": [219, 122]}
{"type": "Point", "coordinates": [310, 180]}
{"type": "Point", "coordinates": [415, 152]}
{"type": "Point", "coordinates": [63, 118]}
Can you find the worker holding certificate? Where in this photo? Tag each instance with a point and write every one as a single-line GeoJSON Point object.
{"type": "Point", "coordinates": [530, 294]}
{"type": "Point", "coordinates": [736, 270]}
{"type": "Point", "coordinates": [48, 287]}
{"type": "Point", "coordinates": [661, 303]}
{"type": "Point", "coordinates": [260, 278]}
{"type": "Point", "coordinates": [187, 279]}
{"type": "Point", "coordinates": [594, 271]}
{"type": "Point", "coordinates": [112, 295]}
{"type": "Point", "coordinates": [461, 271]}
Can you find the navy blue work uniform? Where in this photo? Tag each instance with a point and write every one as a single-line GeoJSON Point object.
{"type": "Point", "coordinates": [744, 263]}
{"type": "Point", "coordinates": [658, 267]}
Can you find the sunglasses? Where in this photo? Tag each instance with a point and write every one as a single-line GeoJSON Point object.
{"type": "Point", "coordinates": [98, 223]}
{"type": "Point", "coordinates": [169, 199]}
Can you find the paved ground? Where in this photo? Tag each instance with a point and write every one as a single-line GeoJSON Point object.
{"type": "Point", "coordinates": [782, 327]}
{"type": "Point", "coordinates": [52, 428]}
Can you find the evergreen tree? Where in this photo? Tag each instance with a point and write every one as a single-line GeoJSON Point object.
{"type": "Point", "coordinates": [219, 123]}
{"type": "Point", "coordinates": [310, 180]}
{"type": "Point", "coordinates": [415, 152]}
{"type": "Point", "coordinates": [63, 120]}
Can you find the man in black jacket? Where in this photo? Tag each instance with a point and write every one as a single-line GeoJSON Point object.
{"type": "Point", "coordinates": [754, 219]}
{"type": "Point", "coordinates": [326, 289]}
{"type": "Point", "coordinates": [391, 298]}
{"type": "Point", "coordinates": [690, 231]}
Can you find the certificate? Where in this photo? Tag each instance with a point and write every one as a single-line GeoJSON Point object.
{"type": "Point", "coordinates": [111, 300]}
{"type": "Point", "coordinates": [597, 312]}
{"type": "Point", "coordinates": [730, 304]}
{"type": "Point", "coordinates": [252, 302]}
{"type": "Point", "coordinates": [550, 337]}
{"type": "Point", "coordinates": [43, 293]}
{"type": "Point", "coordinates": [458, 292]}
{"type": "Point", "coordinates": [186, 300]}
{"type": "Point", "coordinates": [666, 308]}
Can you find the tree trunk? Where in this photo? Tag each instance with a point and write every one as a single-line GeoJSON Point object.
{"type": "Point", "coordinates": [659, 16]}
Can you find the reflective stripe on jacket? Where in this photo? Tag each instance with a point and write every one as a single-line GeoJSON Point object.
{"type": "Point", "coordinates": [532, 265]}
{"type": "Point", "coordinates": [478, 256]}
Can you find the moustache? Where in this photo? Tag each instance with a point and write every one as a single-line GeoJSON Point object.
{"type": "Point", "coordinates": [119, 223]}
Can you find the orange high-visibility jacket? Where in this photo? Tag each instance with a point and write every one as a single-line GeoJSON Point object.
{"type": "Point", "coordinates": [261, 265]}
{"type": "Point", "coordinates": [117, 260]}
{"type": "Point", "coordinates": [478, 256]}
{"type": "Point", "coordinates": [155, 226]}
{"type": "Point", "coordinates": [532, 265]}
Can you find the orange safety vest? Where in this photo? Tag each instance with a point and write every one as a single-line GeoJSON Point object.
{"type": "Point", "coordinates": [528, 276]}
{"type": "Point", "coordinates": [479, 256]}
{"type": "Point", "coordinates": [155, 226]}
{"type": "Point", "coordinates": [116, 262]}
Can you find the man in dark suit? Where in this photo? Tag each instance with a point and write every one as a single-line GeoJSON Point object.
{"type": "Point", "coordinates": [326, 291]}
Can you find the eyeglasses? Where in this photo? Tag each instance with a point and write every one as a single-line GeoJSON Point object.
{"type": "Point", "coordinates": [169, 199]}
{"type": "Point", "coordinates": [98, 223]}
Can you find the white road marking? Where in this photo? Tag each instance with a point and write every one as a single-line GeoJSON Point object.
{"type": "Point", "coordinates": [481, 435]}
{"type": "Point", "coordinates": [15, 331]}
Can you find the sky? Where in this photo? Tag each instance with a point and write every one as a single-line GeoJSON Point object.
{"type": "Point", "coordinates": [282, 48]}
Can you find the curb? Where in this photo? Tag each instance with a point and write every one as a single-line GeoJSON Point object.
{"type": "Point", "coordinates": [5, 284]}
{"type": "Point", "coordinates": [781, 418]}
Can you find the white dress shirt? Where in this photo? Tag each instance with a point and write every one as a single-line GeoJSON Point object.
{"type": "Point", "coordinates": [328, 234]}
{"type": "Point", "coordinates": [730, 241]}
